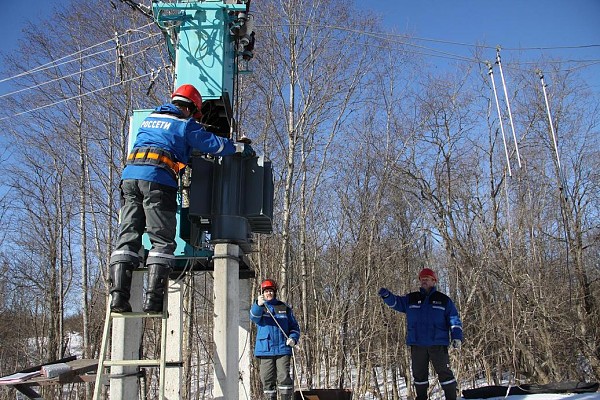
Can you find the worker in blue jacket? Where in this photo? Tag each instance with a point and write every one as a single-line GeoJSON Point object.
{"type": "Point", "coordinates": [432, 321]}
{"type": "Point", "coordinates": [277, 332]}
{"type": "Point", "coordinates": [149, 186]}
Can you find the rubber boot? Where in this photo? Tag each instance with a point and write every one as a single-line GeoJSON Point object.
{"type": "Point", "coordinates": [285, 395]}
{"type": "Point", "coordinates": [421, 392]}
{"type": "Point", "coordinates": [158, 280]}
{"type": "Point", "coordinates": [120, 286]}
{"type": "Point", "coordinates": [450, 391]}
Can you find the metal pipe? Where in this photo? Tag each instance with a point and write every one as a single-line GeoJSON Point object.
{"type": "Point", "coordinates": [491, 74]}
{"type": "Point", "coordinates": [549, 117]}
{"type": "Point", "coordinates": [508, 106]}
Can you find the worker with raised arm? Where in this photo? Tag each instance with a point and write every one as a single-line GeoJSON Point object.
{"type": "Point", "coordinates": [432, 321]}
{"type": "Point", "coordinates": [277, 332]}
{"type": "Point", "coordinates": [149, 186]}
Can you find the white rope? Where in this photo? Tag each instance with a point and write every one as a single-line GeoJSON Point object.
{"type": "Point", "coordinates": [491, 74]}
{"type": "Point", "coordinates": [508, 106]}
{"type": "Point", "coordinates": [296, 376]}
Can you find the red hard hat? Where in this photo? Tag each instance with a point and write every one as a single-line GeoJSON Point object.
{"type": "Point", "coordinates": [428, 272]}
{"type": "Point", "coordinates": [268, 284]}
{"type": "Point", "coordinates": [188, 93]}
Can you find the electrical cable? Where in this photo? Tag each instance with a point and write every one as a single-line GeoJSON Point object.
{"type": "Point", "coordinates": [512, 125]}
{"type": "Point", "coordinates": [55, 63]}
{"type": "Point", "coordinates": [76, 97]}
{"type": "Point", "coordinates": [74, 74]}
{"type": "Point", "coordinates": [404, 36]}
{"type": "Point", "coordinates": [550, 119]}
{"type": "Point", "coordinates": [443, 54]}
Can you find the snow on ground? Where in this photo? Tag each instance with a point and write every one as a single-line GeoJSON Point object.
{"type": "Point", "coordinates": [548, 396]}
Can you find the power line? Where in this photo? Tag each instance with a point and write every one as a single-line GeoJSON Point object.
{"type": "Point", "coordinates": [56, 63]}
{"type": "Point", "coordinates": [73, 74]}
{"type": "Point", "coordinates": [80, 95]}
{"type": "Point", "coordinates": [404, 39]}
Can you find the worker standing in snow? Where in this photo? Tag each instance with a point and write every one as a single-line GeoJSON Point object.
{"type": "Point", "coordinates": [149, 184]}
{"type": "Point", "coordinates": [432, 321]}
{"type": "Point", "coordinates": [277, 332]}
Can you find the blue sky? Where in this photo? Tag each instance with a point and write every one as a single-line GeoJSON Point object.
{"type": "Point", "coordinates": [508, 23]}
{"type": "Point", "coordinates": [15, 14]}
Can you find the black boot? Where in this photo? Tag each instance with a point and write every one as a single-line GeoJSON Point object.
{"type": "Point", "coordinates": [158, 280]}
{"type": "Point", "coordinates": [450, 391]}
{"type": "Point", "coordinates": [421, 392]}
{"type": "Point", "coordinates": [120, 286]}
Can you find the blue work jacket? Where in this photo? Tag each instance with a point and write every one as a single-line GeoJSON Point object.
{"type": "Point", "coordinates": [166, 128]}
{"type": "Point", "coordinates": [431, 318]}
{"type": "Point", "coordinates": [270, 340]}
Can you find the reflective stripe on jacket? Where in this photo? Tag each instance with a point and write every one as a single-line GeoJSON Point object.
{"type": "Point", "coordinates": [431, 319]}
{"type": "Point", "coordinates": [270, 341]}
{"type": "Point", "coordinates": [167, 129]}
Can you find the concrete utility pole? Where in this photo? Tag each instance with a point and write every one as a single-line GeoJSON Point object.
{"type": "Point", "coordinates": [226, 321]}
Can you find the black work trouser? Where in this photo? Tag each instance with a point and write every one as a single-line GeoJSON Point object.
{"type": "Point", "coordinates": [438, 355]}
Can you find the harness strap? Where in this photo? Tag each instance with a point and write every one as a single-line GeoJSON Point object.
{"type": "Point", "coordinates": [155, 156]}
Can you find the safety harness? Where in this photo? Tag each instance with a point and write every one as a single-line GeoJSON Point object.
{"type": "Point", "coordinates": [155, 156]}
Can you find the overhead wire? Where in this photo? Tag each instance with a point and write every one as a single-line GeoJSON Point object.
{"type": "Point", "coordinates": [75, 73]}
{"type": "Point", "coordinates": [491, 74]}
{"type": "Point", "coordinates": [444, 54]}
{"type": "Point", "coordinates": [79, 96]}
{"type": "Point", "coordinates": [76, 57]}
{"type": "Point", "coordinates": [56, 63]}
{"type": "Point", "coordinates": [426, 51]}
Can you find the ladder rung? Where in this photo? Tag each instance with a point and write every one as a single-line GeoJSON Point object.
{"type": "Point", "coordinates": [132, 363]}
{"type": "Point", "coordinates": [138, 315]}
{"type": "Point", "coordinates": [103, 379]}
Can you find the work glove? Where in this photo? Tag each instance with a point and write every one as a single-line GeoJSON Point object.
{"type": "Point", "coordinates": [290, 342]}
{"type": "Point", "coordinates": [260, 300]}
{"type": "Point", "coordinates": [244, 149]}
{"type": "Point", "coordinates": [456, 343]}
{"type": "Point", "coordinates": [383, 293]}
